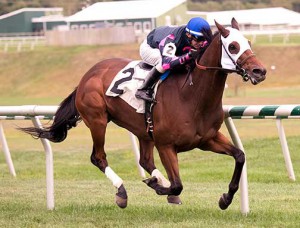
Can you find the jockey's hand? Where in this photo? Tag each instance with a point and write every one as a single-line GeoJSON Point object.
{"type": "Point", "coordinates": [193, 53]}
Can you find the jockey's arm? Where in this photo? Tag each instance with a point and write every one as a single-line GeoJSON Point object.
{"type": "Point", "coordinates": [168, 49]}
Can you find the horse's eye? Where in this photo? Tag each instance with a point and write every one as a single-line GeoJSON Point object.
{"type": "Point", "coordinates": [234, 47]}
{"type": "Point", "coordinates": [231, 47]}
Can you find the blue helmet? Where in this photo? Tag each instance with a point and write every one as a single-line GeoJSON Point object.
{"type": "Point", "coordinates": [197, 27]}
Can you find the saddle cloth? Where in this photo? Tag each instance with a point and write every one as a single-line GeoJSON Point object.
{"type": "Point", "coordinates": [125, 84]}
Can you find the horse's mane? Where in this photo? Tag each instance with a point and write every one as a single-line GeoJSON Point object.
{"type": "Point", "coordinates": [215, 34]}
{"type": "Point", "coordinates": [189, 67]}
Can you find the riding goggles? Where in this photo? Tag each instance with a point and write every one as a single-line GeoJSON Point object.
{"type": "Point", "coordinates": [197, 38]}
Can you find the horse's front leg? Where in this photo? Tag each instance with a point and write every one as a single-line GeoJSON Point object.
{"type": "Point", "coordinates": [169, 160]}
{"type": "Point", "coordinates": [147, 162]}
{"type": "Point", "coordinates": [157, 181]}
{"type": "Point", "coordinates": [220, 144]}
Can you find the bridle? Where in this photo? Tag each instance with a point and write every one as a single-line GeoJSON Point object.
{"type": "Point", "coordinates": [238, 66]}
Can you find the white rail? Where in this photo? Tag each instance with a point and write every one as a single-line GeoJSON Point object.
{"type": "Point", "coordinates": [278, 112]}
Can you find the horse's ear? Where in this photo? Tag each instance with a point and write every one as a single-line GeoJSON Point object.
{"type": "Point", "coordinates": [224, 32]}
{"type": "Point", "coordinates": [234, 24]}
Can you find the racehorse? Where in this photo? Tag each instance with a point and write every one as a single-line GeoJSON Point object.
{"type": "Point", "coordinates": [185, 115]}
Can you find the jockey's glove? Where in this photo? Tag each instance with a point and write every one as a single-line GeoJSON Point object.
{"type": "Point", "coordinates": [193, 54]}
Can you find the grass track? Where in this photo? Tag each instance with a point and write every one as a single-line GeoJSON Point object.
{"type": "Point", "coordinates": [85, 198]}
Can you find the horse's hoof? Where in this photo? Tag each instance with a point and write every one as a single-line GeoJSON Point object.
{"type": "Point", "coordinates": [121, 197]}
{"type": "Point", "coordinates": [121, 202]}
{"type": "Point", "coordinates": [151, 182]}
{"type": "Point", "coordinates": [224, 202]}
{"type": "Point", "coordinates": [174, 199]}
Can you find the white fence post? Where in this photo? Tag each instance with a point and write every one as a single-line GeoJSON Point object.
{"type": "Point", "coordinates": [49, 166]}
{"type": "Point", "coordinates": [6, 151]}
{"type": "Point", "coordinates": [243, 181]}
{"type": "Point", "coordinates": [137, 154]}
{"type": "Point", "coordinates": [260, 112]}
{"type": "Point", "coordinates": [285, 150]}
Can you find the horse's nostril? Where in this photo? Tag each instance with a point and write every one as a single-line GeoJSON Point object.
{"type": "Point", "coordinates": [259, 71]}
{"type": "Point", "coordinates": [264, 71]}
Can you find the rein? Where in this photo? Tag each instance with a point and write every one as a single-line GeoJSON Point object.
{"type": "Point", "coordinates": [239, 69]}
{"type": "Point", "coordinates": [201, 67]}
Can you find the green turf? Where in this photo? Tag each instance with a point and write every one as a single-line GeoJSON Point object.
{"type": "Point", "coordinates": [84, 197]}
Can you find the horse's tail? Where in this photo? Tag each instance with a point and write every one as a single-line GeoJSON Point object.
{"type": "Point", "coordinates": [66, 117]}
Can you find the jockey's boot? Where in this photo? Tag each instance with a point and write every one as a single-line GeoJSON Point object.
{"type": "Point", "coordinates": [146, 90]}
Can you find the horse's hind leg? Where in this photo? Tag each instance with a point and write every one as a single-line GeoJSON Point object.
{"type": "Point", "coordinates": [220, 144]}
{"type": "Point", "coordinates": [98, 158]}
{"type": "Point", "coordinates": [95, 118]}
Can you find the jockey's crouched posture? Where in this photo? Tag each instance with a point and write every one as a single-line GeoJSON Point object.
{"type": "Point", "coordinates": [166, 47]}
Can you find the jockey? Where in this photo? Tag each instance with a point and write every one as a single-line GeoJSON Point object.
{"type": "Point", "coordinates": [166, 47]}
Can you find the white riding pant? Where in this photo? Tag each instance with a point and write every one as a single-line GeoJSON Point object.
{"type": "Point", "coordinates": [151, 56]}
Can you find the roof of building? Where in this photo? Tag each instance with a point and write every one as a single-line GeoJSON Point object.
{"type": "Point", "coordinates": [54, 9]}
{"type": "Point", "coordinates": [49, 18]}
{"type": "Point", "coordinates": [124, 10]}
{"type": "Point", "coordinates": [264, 16]}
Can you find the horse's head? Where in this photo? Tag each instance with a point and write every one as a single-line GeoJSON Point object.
{"type": "Point", "coordinates": [237, 54]}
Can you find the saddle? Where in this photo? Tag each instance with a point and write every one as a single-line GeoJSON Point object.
{"type": "Point", "coordinates": [125, 84]}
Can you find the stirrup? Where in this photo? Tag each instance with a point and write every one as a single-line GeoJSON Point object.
{"type": "Point", "coordinates": [143, 94]}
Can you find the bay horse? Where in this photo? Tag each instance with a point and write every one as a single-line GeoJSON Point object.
{"type": "Point", "coordinates": [185, 116]}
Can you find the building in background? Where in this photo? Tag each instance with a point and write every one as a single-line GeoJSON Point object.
{"type": "Point", "coordinates": [142, 15]}
{"type": "Point", "coordinates": [135, 19]}
{"type": "Point", "coordinates": [20, 21]}
{"type": "Point", "coordinates": [264, 19]}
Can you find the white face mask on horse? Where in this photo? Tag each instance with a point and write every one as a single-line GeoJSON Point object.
{"type": "Point", "coordinates": [229, 57]}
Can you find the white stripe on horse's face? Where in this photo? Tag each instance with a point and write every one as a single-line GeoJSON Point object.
{"type": "Point", "coordinates": [235, 36]}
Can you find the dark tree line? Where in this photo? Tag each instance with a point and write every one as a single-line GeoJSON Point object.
{"type": "Point", "coordinates": [72, 6]}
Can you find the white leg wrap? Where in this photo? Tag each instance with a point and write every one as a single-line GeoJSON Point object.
{"type": "Point", "coordinates": [115, 179]}
{"type": "Point", "coordinates": [161, 179]}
